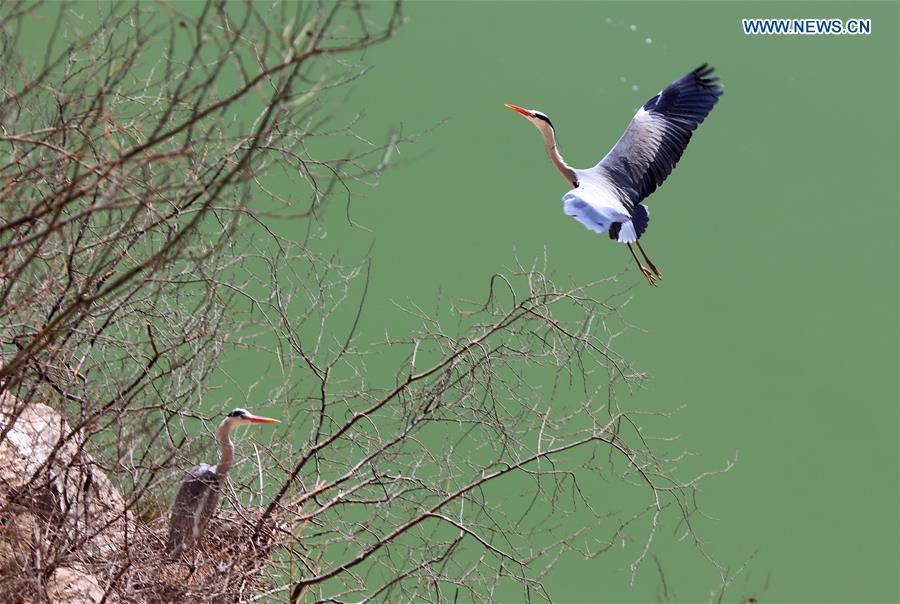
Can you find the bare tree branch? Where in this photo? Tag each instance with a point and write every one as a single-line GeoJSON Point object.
{"type": "Point", "coordinates": [150, 162]}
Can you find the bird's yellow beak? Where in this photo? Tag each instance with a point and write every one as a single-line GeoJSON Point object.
{"type": "Point", "coordinates": [517, 109]}
{"type": "Point", "coordinates": [256, 419]}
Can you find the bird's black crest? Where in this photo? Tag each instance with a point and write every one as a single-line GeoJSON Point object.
{"type": "Point", "coordinates": [237, 413]}
{"type": "Point", "coordinates": [543, 117]}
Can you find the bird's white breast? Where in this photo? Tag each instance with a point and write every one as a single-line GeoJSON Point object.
{"type": "Point", "coordinates": [595, 202]}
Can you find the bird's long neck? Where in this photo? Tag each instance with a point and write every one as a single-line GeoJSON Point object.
{"type": "Point", "coordinates": [564, 169]}
{"type": "Point", "coordinates": [226, 458]}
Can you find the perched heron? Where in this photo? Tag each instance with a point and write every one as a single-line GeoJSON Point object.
{"type": "Point", "coordinates": [199, 494]}
{"type": "Point", "coordinates": [608, 196]}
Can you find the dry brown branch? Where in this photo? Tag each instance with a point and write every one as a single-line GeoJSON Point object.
{"type": "Point", "coordinates": [140, 241]}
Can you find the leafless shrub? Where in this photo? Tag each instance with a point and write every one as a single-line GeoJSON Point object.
{"type": "Point", "coordinates": [142, 237]}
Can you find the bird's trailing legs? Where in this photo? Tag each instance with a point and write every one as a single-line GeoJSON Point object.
{"type": "Point", "coordinates": [643, 268]}
{"type": "Point", "coordinates": [644, 254]}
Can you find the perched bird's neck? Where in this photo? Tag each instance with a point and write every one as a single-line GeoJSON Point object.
{"type": "Point", "coordinates": [564, 169]}
{"type": "Point", "coordinates": [226, 458]}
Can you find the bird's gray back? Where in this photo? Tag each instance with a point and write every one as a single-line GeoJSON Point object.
{"type": "Point", "coordinates": [194, 506]}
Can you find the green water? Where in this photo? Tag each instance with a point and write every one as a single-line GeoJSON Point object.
{"type": "Point", "coordinates": [776, 323]}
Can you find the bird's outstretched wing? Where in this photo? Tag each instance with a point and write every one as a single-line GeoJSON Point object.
{"type": "Point", "coordinates": [657, 136]}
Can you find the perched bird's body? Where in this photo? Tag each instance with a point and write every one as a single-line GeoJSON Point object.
{"type": "Point", "coordinates": [194, 505]}
{"type": "Point", "coordinates": [608, 196]}
{"type": "Point", "coordinates": [199, 494]}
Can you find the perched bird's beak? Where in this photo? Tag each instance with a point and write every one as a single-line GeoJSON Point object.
{"type": "Point", "coordinates": [256, 419]}
{"type": "Point", "coordinates": [524, 112]}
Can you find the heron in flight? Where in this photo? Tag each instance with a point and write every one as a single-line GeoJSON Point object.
{"type": "Point", "coordinates": [608, 196]}
{"type": "Point", "coordinates": [199, 494]}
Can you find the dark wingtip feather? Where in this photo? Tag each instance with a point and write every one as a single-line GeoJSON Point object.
{"type": "Point", "coordinates": [704, 78]}
{"type": "Point", "coordinates": [676, 112]}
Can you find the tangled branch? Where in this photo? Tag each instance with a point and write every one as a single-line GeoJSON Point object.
{"type": "Point", "coordinates": [151, 164]}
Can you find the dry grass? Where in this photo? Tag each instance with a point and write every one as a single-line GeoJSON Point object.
{"type": "Point", "coordinates": [227, 566]}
